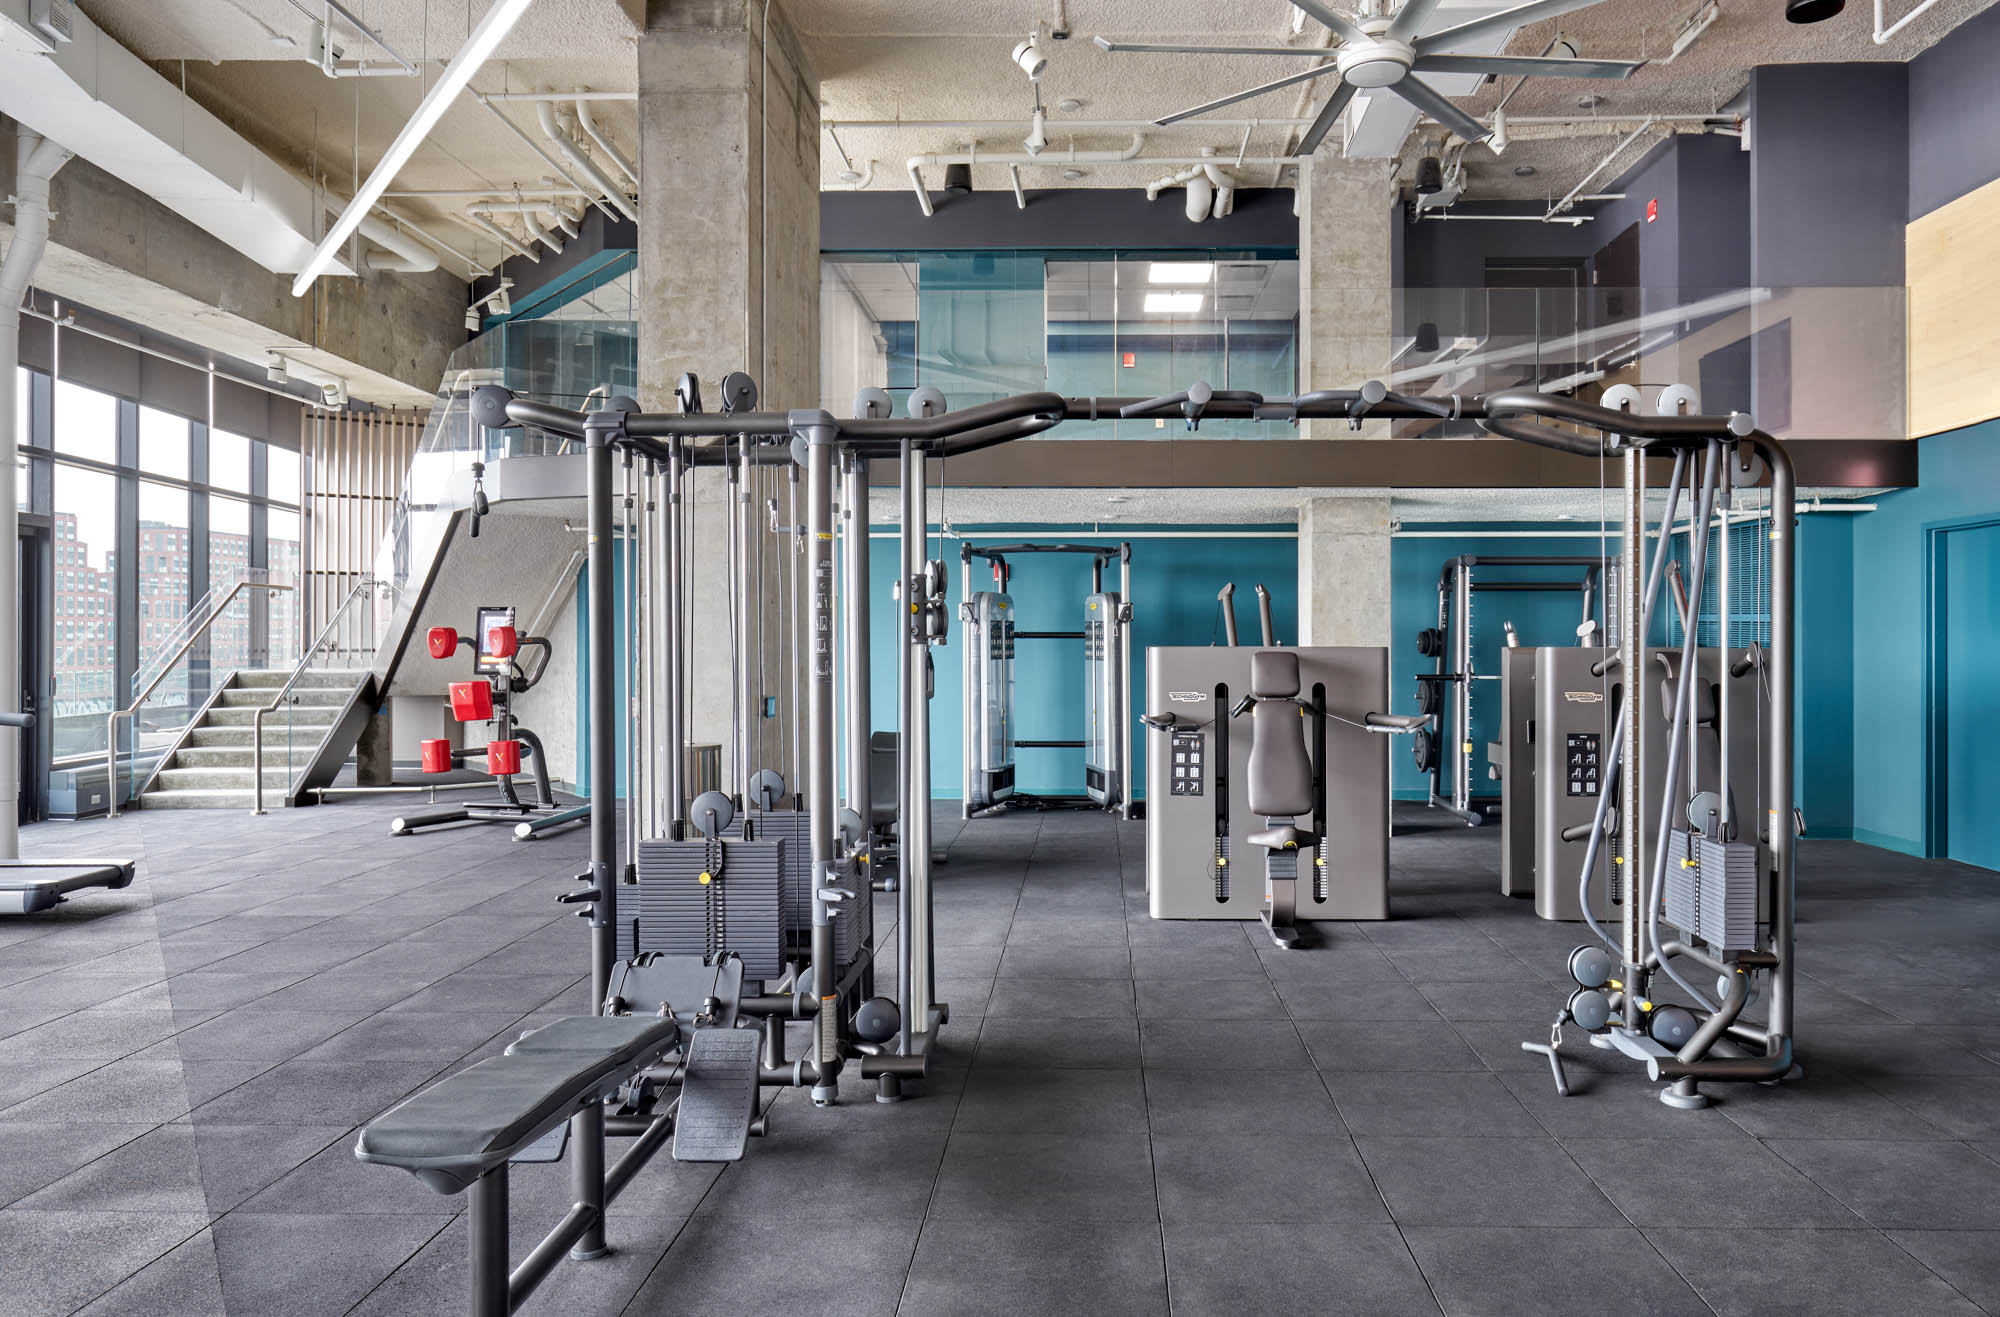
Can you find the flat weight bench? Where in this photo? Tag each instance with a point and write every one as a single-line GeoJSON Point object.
{"type": "Point", "coordinates": [462, 1132]}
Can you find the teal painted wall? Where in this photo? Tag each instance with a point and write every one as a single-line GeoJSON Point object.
{"type": "Point", "coordinates": [1174, 581]}
{"type": "Point", "coordinates": [1823, 732]}
{"type": "Point", "coordinates": [1541, 618]}
{"type": "Point", "coordinates": [1960, 481]}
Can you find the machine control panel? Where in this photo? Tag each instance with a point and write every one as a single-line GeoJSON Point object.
{"type": "Point", "coordinates": [1581, 753]}
{"type": "Point", "coordinates": [1188, 751]}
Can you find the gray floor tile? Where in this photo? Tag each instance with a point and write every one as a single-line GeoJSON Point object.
{"type": "Point", "coordinates": [1482, 1181]}
{"type": "Point", "coordinates": [1313, 998]}
{"type": "Point", "coordinates": [1102, 960]}
{"type": "Point", "coordinates": [1968, 1260]}
{"type": "Point", "coordinates": [1222, 1045]}
{"type": "Point", "coordinates": [1225, 1269]}
{"type": "Point", "coordinates": [1043, 999]}
{"type": "Point", "coordinates": [1073, 1101]}
{"type": "Point", "coordinates": [1516, 1272]}
{"type": "Point", "coordinates": [186, 1281]}
{"type": "Point", "coordinates": [718, 1265]}
{"type": "Point", "coordinates": [1098, 1177]}
{"type": "Point", "coordinates": [1902, 1185]}
{"type": "Point", "coordinates": [253, 1035]}
{"type": "Point", "coordinates": [79, 1255]}
{"type": "Point", "coordinates": [1031, 1044]}
{"type": "Point", "coordinates": [1252, 1177]}
{"type": "Point", "coordinates": [1822, 1105]}
{"type": "Point", "coordinates": [187, 1169]}
{"type": "Point", "coordinates": [1049, 1268]}
{"type": "Point", "coordinates": [283, 1264]}
{"type": "Point", "coordinates": [318, 1092]}
{"type": "Point", "coordinates": [1964, 1106]}
{"type": "Point", "coordinates": [1371, 1046]}
{"type": "Point", "coordinates": [1277, 1102]}
{"type": "Point", "coordinates": [33, 1155]}
{"type": "Point", "coordinates": [1209, 999]}
{"type": "Point", "coordinates": [1806, 1273]}
{"type": "Point", "coordinates": [1615, 1103]}
{"type": "Point", "coordinates": [1706, 1182]}
{"type": "Point", "coordinates": [1223, 961]}
{"type": "Point", "coordinates": [1411, 1103]}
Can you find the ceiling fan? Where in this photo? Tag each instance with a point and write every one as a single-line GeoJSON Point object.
{"type": "Point", "coordinates": [1379, 50]}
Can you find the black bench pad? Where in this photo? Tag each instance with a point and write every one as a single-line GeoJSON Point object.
{"type": "Point", "coordinates": [468, 1123]}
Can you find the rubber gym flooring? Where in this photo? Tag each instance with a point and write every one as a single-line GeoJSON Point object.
{"type": "Point", "coordinates": [1132, 1117]}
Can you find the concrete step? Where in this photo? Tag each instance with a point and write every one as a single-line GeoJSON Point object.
{"type": "Point", "coordinates": [253, 697]}
{"type": "Point", "coordinates": [208, 799]}
{"type": "Point", "coordinates": [238, 756]}
{"type": "Point", "coordinates": [320, 716]}
{"type": "Point", "coordinates": [277, 735]}
{"type": "Point", "coordinates": [276, 775]}
{"type": "Point", "coordinates": [272, 678]}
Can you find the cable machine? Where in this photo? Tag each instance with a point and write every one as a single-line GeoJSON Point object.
{"type": "Point", "coordinates": [990, 636]}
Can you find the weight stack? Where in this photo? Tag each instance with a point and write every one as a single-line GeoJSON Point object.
{"type": "Point", "coordinates": [668, 909]}
{"type": "Point", "coordinates": [1712, 890]}
{"type": "Point", "coordinates": [853, 921]}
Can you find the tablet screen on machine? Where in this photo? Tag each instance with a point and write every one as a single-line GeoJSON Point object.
{"type": "Point", "coordinates": [492, 619]}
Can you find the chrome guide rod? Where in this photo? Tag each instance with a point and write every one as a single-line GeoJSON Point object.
{"type": "Point", "coordinates": [819, 432]}
{"type": "Point", "coordinates": [676, 641]}
{"type": "Point", "coordinates": [854, 601]}
{"type": "Point", "coordinates": [1627, 859]}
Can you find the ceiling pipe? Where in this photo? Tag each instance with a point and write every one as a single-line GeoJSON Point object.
{"type": "Point", "coordinates": [36, 160]}
{"type": "Point", "coordinates": [1020, 196]}
{"type": "Point", "coordinates": [566, 147]}
{"type": "Point", "coordinates": [507, 241]}
{"type": "Point", "coordinates": [916, 163]}
{"type": "Point", "coordinates": [528, 141]}
{"type": "Point", "coordinates": [1059, 125]}
{"type": "Point", "coordinates": [611, 153]}
{"type": "Point", "coordinates": [401, 253]}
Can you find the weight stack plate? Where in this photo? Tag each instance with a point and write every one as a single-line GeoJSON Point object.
{"type": "Point", "coordinates": [668, 909]}
{"type": "Point", "coordinates": [1712, 890]}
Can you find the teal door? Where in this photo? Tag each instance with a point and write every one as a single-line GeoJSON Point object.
{"type": "Point", "coordinates": [1971, 715]}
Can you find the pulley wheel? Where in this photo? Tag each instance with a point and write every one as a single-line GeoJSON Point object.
{"type": "Point", "coordinates": [1590, 966]}
{"type": "Point", "coordinates": [1672, 1026]}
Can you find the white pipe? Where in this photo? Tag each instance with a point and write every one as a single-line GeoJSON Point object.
{"type": "Point", "coordinates": [1063, 125]}
{"type": "Point", "coordinates": [1200, 196]}
{"type": "Point", "coordinates": [1020, 197]}
{"type": "Point", "coordinates": [36, 161]}
{"type": "Point", "coordinates": [1571, 220]}
{"type": "Point", "coordinates": [1883, 34]}
{"type": "Point", "coordinates": [611, 153]}
{"type": "Point", "coordinates": [915, 164]}
{"type": "Point", "coordinates": [566, 146]}
{"type": "Point", "coordinates": [562, 97]}
{"type": "Point", "coordinates": [1569, 198]}
{"type": "Point", "coordinates": [917, 184]}
{"type": "Point", "coordinates": [506, 240]}
{"type": "Point", "coordinates": [547, 159]}
{"type": "Point", "coordinates": [402, 253]}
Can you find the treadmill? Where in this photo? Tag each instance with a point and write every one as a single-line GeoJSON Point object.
{"type": "Point", "coordinates": [31, 886]}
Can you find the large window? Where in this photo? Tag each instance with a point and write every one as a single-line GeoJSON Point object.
{"type": "Point", "coordinates": [147, 509]}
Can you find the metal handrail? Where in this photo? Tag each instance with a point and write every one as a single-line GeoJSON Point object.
{"type": "Point", "coordinates": [111, 722]}
{"type": "Point", "coordinates": [365, 584]}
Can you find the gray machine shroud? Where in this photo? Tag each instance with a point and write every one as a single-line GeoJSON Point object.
{"type": "Point", "coordinates": [1198, 684]}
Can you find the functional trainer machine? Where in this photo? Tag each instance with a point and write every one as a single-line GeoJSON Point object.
{"type": "Point", "coordinates": [613, 1073]}
{"type": "Point", "coordinates": [498, 676]}
{"type": "Point", "coordinates": [1450, 691]}
{"type": "Point", "coordinates": [990, 636]}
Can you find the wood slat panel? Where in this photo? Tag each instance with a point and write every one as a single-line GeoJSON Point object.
{"type": "Point", "coordinates": [1953, 262]}
{"type": "Point", "coordinates": [354, 469]}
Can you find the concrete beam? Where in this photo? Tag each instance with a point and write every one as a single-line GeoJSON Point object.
{"type": "Point", "coordinates": [118, 251]}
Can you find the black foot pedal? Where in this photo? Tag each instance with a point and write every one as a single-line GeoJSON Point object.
{"type": "Point", "coordinates": [718, 1096]}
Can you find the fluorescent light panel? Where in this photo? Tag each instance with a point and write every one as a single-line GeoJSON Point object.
{"type": "Point", "coordinates": [492, 29]}
{"type": "Point", "coordinates": [1173, 302]}
{"type": "Point", "coordinates": [1181, 272]}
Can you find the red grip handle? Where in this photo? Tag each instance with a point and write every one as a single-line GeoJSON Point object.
{"type": "Point", "coordinates": [443, 642]}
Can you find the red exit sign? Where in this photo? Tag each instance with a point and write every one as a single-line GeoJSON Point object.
{"type": "Point", "coordinates": [1652, 210]}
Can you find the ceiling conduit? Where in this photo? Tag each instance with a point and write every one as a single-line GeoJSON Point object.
{"type": "Point", "coordinates": [917, 163]}
{"type": "Point", "coordinates": [570, 151]}
{"type": "Point", "coordinates": [611, 153]}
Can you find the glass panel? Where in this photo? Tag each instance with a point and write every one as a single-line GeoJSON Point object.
{"type": "Point", "coordinates": [163, 443]}
{"type": "Point", "coordinates": [281, 477]}
{"type": "Point", "coordinates": [228, 463]}
{"type": "Point", "coordinates": [86, 504]}
{"type": "Point", "coordinates": [981, 318]}
{"type": "Point", "coordinates": [164, 562]}
{"type": "Point", "coordinates": [228, 563]}
{"type": "Point", "coordinates": [283, 529]}
{"type": "Point", "coordinates": [86, 423]}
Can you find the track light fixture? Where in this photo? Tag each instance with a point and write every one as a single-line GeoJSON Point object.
{"type": "Point", "coordinates": [1430, 176]}
{"type": "Point", "coordinates": [958, 179]}
{"type": "Point", "coordinates": [1034, 61]}
{"type": "Point", "coordinates": [277, 371]}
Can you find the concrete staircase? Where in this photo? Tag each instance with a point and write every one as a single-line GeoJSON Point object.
{"type": "Point", "coordinates": [211, 769]}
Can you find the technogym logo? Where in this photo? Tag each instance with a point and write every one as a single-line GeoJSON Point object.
{"type": "Point", "coordinates": [1188, 697]}
{"type": "Point", "coordinates": [1584, 697]}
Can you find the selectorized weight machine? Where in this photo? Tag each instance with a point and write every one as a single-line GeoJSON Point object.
{"type": "Point", "coordinates": [990, 636]}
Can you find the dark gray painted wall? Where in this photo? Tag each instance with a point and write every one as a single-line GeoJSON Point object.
{"type": "Point", "coordinates": [1453, 254]}
{"type": "Point", "coordinates": [1954, 131]}
{"type": "Point", "coordinates": [1057, 219]}
{"type": "Point", "coordinates": [1714, 218]}
{"type": "Point", "coordinates": [1829, 175]}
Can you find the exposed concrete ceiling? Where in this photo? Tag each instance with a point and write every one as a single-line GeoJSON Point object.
{"type": "Point", "coordinates": [924, 63]}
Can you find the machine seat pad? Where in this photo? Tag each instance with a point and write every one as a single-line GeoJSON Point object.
{"type": "Point", "coordinates": [1282, 837]}
{"type": "Point", "coordinates": [619, 1038]}
{"type": "Point", "coordinates": [466, 1124]}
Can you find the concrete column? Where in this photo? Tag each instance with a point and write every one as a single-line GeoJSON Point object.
{"type": "Point", "coordinates": [728, 155]}
{"type": "Point", "coordinates": [1344, 569]}
{"type": "Point", "coordinates": [1345, 279]}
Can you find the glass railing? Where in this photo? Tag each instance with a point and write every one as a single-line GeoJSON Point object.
{"type": "Point", "coordinates": [227, 632]}
{"type": "Point", "coordinates": [1804, 362]}
{"type": "Point", "coordinates": [290, 727]}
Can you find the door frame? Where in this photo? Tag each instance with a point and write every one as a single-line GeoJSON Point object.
{"type": "Point", "coordinates": [36, 557]}
{"type": "Point", "coordinates": [1936, 737]}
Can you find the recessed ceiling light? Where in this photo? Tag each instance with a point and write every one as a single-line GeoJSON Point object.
{"type": "Point", "coordinates": [1589, 101]}
{"type": "Point", "coordinates": [1565, 516]}
{"type": "Point", "coordinates": [1071, 175]}
{"type": "Point", "coordinates": [1173, 303]}
{"type": "Point", "coordinates": [851, 176]}
{"type": "Point", "coordinates": [1524, 171]}
{"type": "Point", "coordinates": [1069, 105]}
{"type": "Point", "coordinates": [1181, 272]}
{"type": "Point", "coordinates": [1118, 498]}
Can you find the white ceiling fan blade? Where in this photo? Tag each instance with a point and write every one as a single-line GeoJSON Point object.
{"type": "Point", "coordinates": [1332, 18]}
{"type": "Point", "coordinates": [1323, 121]}
{"type": "Point", "coordinates": [1421, 95]}
{"type": "Point", "coordinates": [1410, 18]}
{"type": "Point", "coordinates": [1504, 21]}
{"type": "Point", "coordinates": [1528, 66]}
{"type": "Point", "coordinates": [1285, 81]}
{"type": "Point", "coordinates": [1147, 48]}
